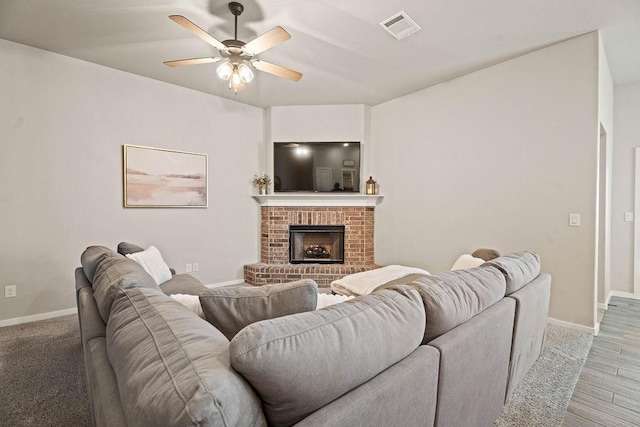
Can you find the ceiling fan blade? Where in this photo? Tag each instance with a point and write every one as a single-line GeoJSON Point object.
{"type": "Point", "coordinates": [266, 41]}
{"type": "Point", "coordinates": [192, 61]}
{"type": "Point", "coordinates": [181, 20]}
{"type": "Point", "coordinates": [276, 70]}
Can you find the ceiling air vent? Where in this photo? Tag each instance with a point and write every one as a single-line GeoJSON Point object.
{"type": "Point", "coordinates": [400, 25]}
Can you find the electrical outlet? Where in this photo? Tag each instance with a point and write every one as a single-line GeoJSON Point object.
{"type": "Point", "coordinates": [189, 268]}
{"type": "Point", "coordinates": [195, 266]}
{"type": "Point", "coordinates": [10, 291]}
{"type": "Point", "coordinates": [628, 216]}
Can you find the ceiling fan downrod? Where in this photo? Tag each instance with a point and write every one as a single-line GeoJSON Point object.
{"type": "Point", "coordinates": [236, 9]}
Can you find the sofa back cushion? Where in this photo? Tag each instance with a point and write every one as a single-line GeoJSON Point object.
{"type": "Point", "coordinates": [173, 367]}
{"type": "Point", "coordinates": [301, 362]}
{"type": "Point", "coordinates": [454, 297]}
{"type": "Point", "coordinates": [91, 257]}
{"type": "Point", "coordinates": [230, 309]}
{"type": "Point", "coordinates": [519, 269]}
{"type": "Point", "coordinates": [110, 272]}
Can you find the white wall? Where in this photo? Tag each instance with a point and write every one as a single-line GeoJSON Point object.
{"type": "Point", "coordinates": [627, 126]}
{"type": "Point", "coordinates": [62, 126]}
{"type": "Point", "coordinates": [497, 158]}
{"type": "Point", "coordinates": [605, 118]}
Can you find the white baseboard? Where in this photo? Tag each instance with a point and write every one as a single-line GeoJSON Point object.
{"type": "Point", "coordinates": [227, 283]}
{"type": "Point", "coordinates": [41, 316]}
{"type": "Point", "coordinates": [74, 310]}
{"type": "Point", "coordinates": [575, 326]}
{"type": "Point", "coordinates": [603, 306]}
{"type": "Point", "coordinates": [622, 294]}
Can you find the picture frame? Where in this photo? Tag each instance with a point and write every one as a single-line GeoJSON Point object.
{"type": "Point", "coordinates": [348, 163]}
{"type": "Point", "coordinates": [163, 178]}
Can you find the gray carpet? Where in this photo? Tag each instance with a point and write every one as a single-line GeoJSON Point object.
{"type": "Point", "coordinates": [542, 397]}
{"type": "Point", "coordinates": [42, 377]}
{"type": "Point", "coordinates": [42, 374]}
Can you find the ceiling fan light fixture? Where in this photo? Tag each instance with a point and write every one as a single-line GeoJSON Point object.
{"type": "Point", "coordinates": [236, 80]}
{"type": "Point", "coordinates": [225, 70]}
{"type": "Point", "coordinates": [246, 75]}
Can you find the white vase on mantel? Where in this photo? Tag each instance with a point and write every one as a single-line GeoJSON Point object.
{"type": "Point", "coordinates": [263, 190]}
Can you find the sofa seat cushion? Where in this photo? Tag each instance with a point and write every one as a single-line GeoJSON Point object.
{"type": "Point", "coordinates": [454, 297]}
{"type": "Point", "coordinates": [182, 284]}
{"type": "Point", "coordinates": [231, 309]}
{"type": "Point", "coordinates": [301, 362]}
{"type": "Point", "coordinates": [519, 269]}
{"type": "Point", "coordinates": [112, 271]}
{"type": "Point", "coordinates": [172, 367]}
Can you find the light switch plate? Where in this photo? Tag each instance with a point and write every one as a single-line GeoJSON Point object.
{"type": "Point", "coordinates": [189, 268]}
{"type": "Point", "coordinates": [574, 220]}
{"type": "Point", "coordinates": [628, 216]}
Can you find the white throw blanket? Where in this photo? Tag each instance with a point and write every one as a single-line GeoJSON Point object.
{"type": "Point", "coordinates": [366, 282]}
{"type": "Point", "coordinates": [192, 302]}
{"type": "Point", "coordinates": [325, 300]}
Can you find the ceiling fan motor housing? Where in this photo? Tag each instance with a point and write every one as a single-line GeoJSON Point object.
{"type": "Point", "coordinates": [236, 8]}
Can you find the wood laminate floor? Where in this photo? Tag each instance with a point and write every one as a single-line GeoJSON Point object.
{"type": "Point", "coordinates": [608, 391]}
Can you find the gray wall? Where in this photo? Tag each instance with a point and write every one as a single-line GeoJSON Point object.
{"type": "Point", "coordinates": [627, 126]}
{"type": "Point", "coordinates": [497, 158]}
{"type": "Point", "coordinates": [62, 126]}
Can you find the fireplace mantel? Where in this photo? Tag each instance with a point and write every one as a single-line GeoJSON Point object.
{"type": "Point", "coordinates": [318, 199]}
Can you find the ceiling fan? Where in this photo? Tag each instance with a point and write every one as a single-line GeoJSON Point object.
{"type": "Point", "coordinates": [238, 56]}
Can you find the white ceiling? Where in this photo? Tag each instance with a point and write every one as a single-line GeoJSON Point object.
{"type": "Point", "coordinates": [345, 56]}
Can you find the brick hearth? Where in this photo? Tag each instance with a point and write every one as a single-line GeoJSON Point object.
{"type": "Point", "coordinates": [274, 264]}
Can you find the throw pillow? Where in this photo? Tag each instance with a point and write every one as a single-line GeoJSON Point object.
{"type": "Point", "coordinates": [151, 260]}
{"type": "Point", "coordinates": [485, 254]}
{"type": "Point", "coordinates": [125, 248]}
{"type": "Point", "coordinates": [230, 309]}
{"type": "Point", "coordinates": [467, 261]}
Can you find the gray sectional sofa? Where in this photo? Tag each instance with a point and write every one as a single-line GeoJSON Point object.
{"type": "Point", "coordinates": [444, 350]}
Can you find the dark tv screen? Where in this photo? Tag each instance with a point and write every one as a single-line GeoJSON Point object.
{"type": "Point", "coordinates": [316, 166]}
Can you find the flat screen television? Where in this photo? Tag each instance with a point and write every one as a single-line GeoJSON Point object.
{"type": "Point", "coordinates": [316, 166]}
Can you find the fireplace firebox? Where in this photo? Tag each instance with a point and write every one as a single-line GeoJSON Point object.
{"type": "Point", "coordinates": [316, 244]}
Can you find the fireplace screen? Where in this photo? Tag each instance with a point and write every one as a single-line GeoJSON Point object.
{"type": "Point", "coordinates": [316, 244]}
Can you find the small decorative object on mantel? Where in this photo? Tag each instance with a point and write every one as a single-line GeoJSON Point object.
{"type": "Point", "coordinates": [371, 185]}
{"type": "Point", "coordinates": [261, 182]}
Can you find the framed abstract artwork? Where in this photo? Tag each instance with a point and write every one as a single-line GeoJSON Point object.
{"type": "Point", "coordinates": [161, 178]}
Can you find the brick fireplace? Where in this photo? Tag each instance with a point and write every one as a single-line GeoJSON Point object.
{"type": "Point", "coordinates": [274, 266]}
